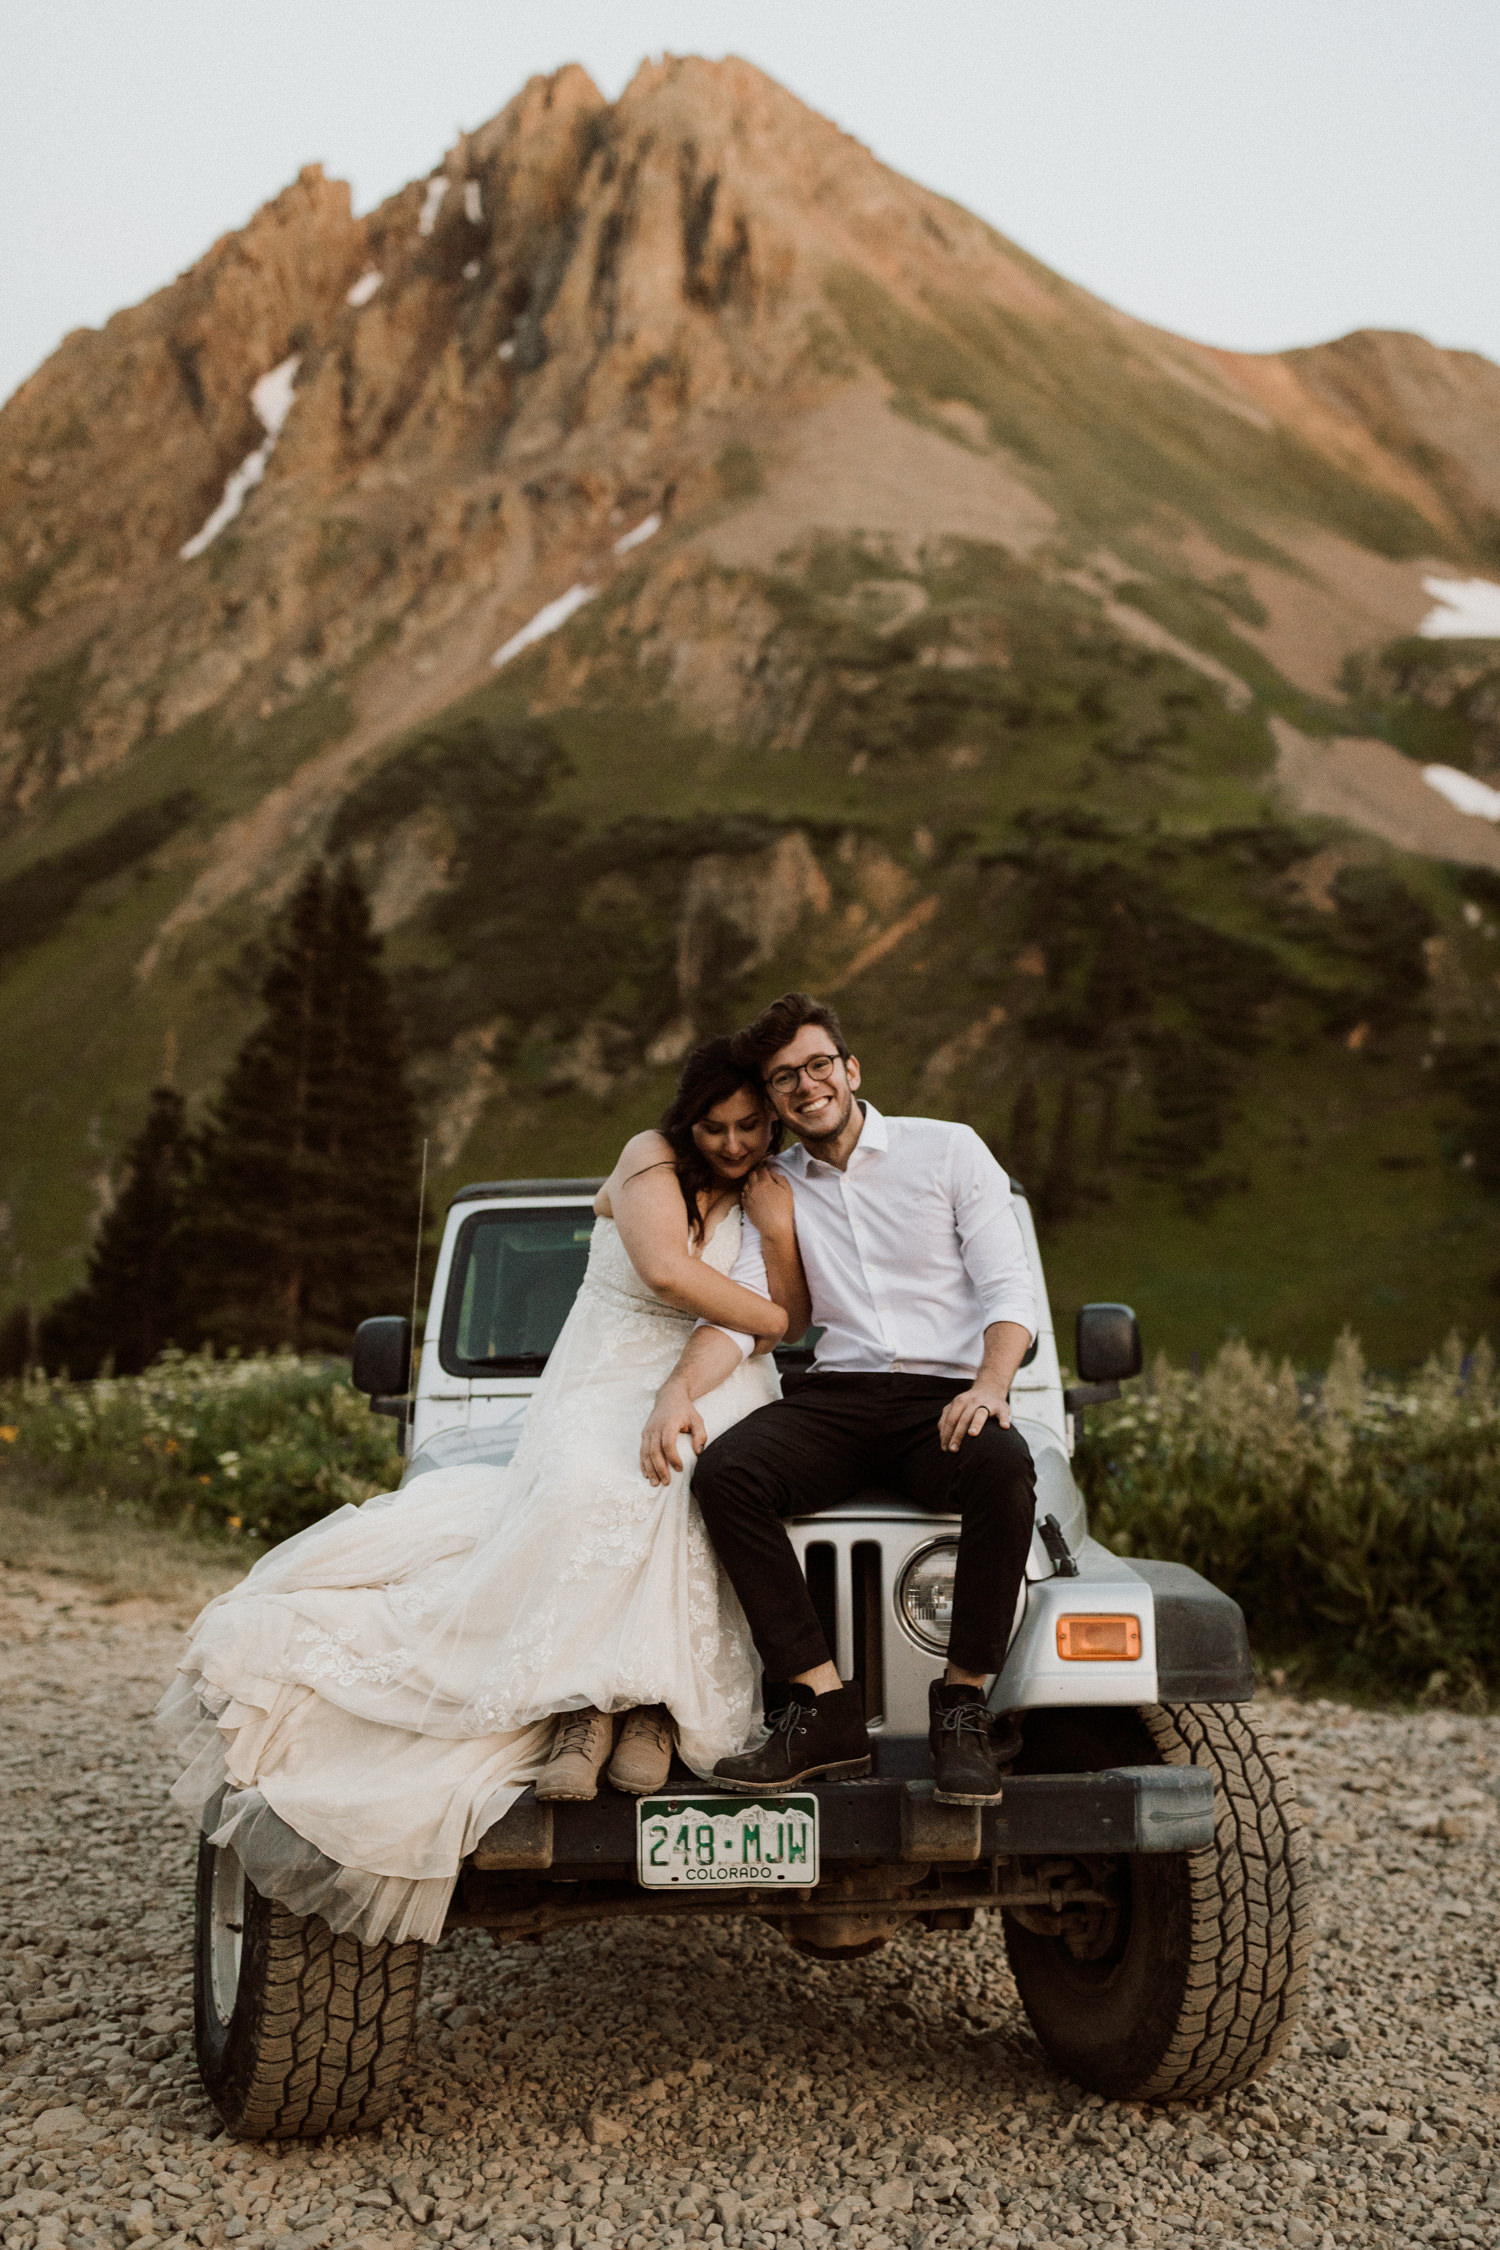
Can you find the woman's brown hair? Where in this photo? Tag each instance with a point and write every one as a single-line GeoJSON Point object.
{"type": "Point", "coordinates": [713, 1073]}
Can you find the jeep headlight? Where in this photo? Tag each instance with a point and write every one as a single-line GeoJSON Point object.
{"type": "Point", "coordinates": [924, 1594]}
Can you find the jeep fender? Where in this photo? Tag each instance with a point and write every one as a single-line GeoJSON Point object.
{"type": "Point", "coordinates": [1193, 1647]}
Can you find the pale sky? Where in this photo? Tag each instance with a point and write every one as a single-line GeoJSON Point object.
{"type": "Point", "coordinates": [1255, 173]}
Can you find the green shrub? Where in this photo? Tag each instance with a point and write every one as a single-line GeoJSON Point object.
{"type": "Point", "coordinates": [256, 1447]}
{"type": "Point", "coordinates": [37, 901]}
{"type": "Point", "coordinates": [1356, 1522]}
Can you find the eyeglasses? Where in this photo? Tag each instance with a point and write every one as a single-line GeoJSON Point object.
{"type": "Point", "coordinates": [816, 1066]}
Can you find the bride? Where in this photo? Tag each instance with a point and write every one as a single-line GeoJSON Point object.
{"type": "Point", "coordinates": [376, 1693]}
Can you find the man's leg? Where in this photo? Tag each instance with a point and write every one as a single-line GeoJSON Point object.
{"type": "Point", "coordinates": [990, 1484]}
{"type": "Point", "coordinates": [786, 1457]}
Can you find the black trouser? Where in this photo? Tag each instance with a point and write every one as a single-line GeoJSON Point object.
{"type": "Point", "coordinates": [829, 1437]}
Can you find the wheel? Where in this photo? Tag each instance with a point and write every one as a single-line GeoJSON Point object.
{"type": "Point", "coordinates": [299, 2032]}
{"type": "Point", "coordinates": [1192, 1981]}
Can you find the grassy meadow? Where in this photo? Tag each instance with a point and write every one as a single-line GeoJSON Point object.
{"type": "Point", "coordinates": [1356, 1519]}
{"type": "Point", "coordinates": [243, 1450]}
{"type": "Point", "coordinates": [1246, 1064]}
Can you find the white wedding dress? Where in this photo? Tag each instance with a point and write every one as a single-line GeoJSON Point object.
{"type": "Point", "coordinates": [379, 1689]}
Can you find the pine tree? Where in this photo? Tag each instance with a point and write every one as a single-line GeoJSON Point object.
{"type": "Point", "coordinates": [1019, 1157]}
{"type": "Point", "coordinates": [17, 1344]}
{"type": "Point", "coordinates": [133, 1303]}
{"type": "Point", "coordinates": [309, 1189]}
{"type": "Point", "coordinates": [1061, 1186]}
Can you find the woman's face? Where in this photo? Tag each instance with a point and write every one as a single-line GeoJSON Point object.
{"type": "Point", "coordinates": [735, 1134]}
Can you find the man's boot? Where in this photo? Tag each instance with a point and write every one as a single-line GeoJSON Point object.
{"type": "Point", "coordinates": [812, 1736]}
{"type": "Point", "coordinates": [966, 1756]}
{"type": "Point", "coordinates": [579, 1748]}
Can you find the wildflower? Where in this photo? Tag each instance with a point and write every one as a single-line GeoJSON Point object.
{"type": "Point", "coordinates": [205, 1480]}
{"type": "Point", "coordinates": [235, 1523]}
{"type": "Point", "coordinates": [10, 1431]}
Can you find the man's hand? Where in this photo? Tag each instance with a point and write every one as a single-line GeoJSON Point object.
{"type": "Point", "coordinates": [987, 1398]}
{"type": "Point", "coordinates": [966, 1415]}
{"type": "Point", "coordinates": [673, 1418]}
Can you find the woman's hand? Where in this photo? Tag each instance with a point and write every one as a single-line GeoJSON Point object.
{"type": "Point", "coordinates": [673, 1418]}
{"type": "Point", "coordinates": [653, 1222]}
{"type": "Point", "coordinates": [709, 1358]}
{"type": "Point", "coordinates": [768, 1203]}
{"type": "Point", "coordinates": [770, 1207]}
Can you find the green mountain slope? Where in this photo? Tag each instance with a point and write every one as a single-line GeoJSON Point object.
{"type": "Point", "coordinates": [944, 636]}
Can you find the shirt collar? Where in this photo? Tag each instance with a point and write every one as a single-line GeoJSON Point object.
{"type": "Point", "coordinates": [875, 1136]}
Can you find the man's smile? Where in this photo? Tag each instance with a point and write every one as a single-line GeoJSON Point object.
{"type": "Point", "coordinates": [813, 1108]}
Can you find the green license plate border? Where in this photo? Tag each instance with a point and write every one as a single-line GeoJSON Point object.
{"type": "Point", "coordinates": [716, 1806]}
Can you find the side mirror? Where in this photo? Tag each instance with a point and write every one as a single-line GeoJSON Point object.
{"type": "Point", "coordinates": [1107, 1344]}
{"type": "Point", "coordinates": [1107, 1348]}
{"type": "Point", "coordinates": [382, 1356]}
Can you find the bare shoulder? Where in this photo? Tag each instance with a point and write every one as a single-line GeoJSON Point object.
{"type": "Point", "coordinates": [642, 1149]}
{"type": "Point", "coordinates": [643, 1152]}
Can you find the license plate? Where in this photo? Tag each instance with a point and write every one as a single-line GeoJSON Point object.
{"type": "Point", "coordinates": [712, 1843]}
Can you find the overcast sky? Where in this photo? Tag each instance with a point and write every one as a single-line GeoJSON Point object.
{"type": "Point", "coordinates": [1255, 173]}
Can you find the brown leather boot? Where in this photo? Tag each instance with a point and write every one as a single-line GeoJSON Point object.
{"type": "Point", "coordinates": [579, 1748]}
{"type": "Point", "coordinates": [643, 1752]}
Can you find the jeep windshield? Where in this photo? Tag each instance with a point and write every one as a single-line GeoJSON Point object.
{"type": "Point", "coordinates": [514, 1277]}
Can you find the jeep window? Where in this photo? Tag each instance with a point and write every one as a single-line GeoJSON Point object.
{"type": "Point", "coordinates": [515, 1275]}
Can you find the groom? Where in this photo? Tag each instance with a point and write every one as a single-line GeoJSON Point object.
{"type": "Point", "coordinates": [918, 1276]}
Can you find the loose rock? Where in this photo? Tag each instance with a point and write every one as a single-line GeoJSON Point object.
{"type": "Point", "coordinates": [641, 2084]}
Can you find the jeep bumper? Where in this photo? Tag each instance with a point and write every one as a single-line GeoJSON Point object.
{"type": "Point", "coordinates": [1125, 1809]}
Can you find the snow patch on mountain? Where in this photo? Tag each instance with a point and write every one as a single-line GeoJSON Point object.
{"type": "Point", "coordinates": [1468, 610]}
{"type": "Point", "coordinates": [637, 538]}
{"type": "Point", "coordinates": [1463, 792]}
{"type": "Point", "coordinates": [271, 400]}
{"type": "Point", "coordinates": [546, 620]}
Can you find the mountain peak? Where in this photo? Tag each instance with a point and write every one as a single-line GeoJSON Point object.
{"type": "Point", "coordinates": [668, 460]}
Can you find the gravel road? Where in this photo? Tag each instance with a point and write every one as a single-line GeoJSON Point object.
{"type": "Point", "coordinates": [642, 2086]}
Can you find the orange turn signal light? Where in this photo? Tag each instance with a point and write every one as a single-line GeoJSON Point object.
{"type": "Point", "coordinates": [1097, 1640]}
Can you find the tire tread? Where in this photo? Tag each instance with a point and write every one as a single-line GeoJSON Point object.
{"type": "Point", "coordinates": [1248, 1904]}
{"type": "Point", "coordinates": [320, 2035]}
{"type": "Point", "coordinates": [1233, 1929]}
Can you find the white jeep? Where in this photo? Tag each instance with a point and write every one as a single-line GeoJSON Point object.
{"type": "Point", "coordinates": [1147, 1862]}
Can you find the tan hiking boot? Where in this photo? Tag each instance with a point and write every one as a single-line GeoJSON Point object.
{"type": "Point", "coordinates": [643, 1753]}
{"type": "Point", "coordinates": [579, 1749]}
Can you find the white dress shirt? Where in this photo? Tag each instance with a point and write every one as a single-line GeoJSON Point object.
{"type": "Point", "coordinates": [910, 1253]}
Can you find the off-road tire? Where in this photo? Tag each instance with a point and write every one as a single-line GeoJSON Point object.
{"type": "Point", "coordinates": [309, 2033]}
{"type": "Point", "coordinates": [1204, 1982]}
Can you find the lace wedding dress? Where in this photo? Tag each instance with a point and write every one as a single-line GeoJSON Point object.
{"type": "Point", "coordinates": [379, 1689]}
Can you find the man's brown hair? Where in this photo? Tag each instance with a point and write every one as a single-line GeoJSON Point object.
{"type": "Point", "coordinates": [777, 1026]}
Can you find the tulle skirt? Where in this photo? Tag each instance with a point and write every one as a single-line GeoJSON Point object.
{"type": "Point", "coordinates": [380, 1688]}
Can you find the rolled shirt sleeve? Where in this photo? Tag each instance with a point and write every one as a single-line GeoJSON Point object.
{"type": "Point", "coordinates": [992, 1244]}
{"type": "Point", "coordinates": [749, 1270]}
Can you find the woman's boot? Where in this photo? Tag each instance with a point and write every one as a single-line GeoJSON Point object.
{"type": "Point", "coordinates": [579, 1749]}
{"type": "Point", "coordinates": [643, 1754]}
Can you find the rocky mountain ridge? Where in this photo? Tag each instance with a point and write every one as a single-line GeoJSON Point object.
{"type": "Point", "coordinates": [877, 559]}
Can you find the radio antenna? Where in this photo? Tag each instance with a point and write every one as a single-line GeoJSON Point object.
{"type": "Point", "coordinates": [416, 1271]}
